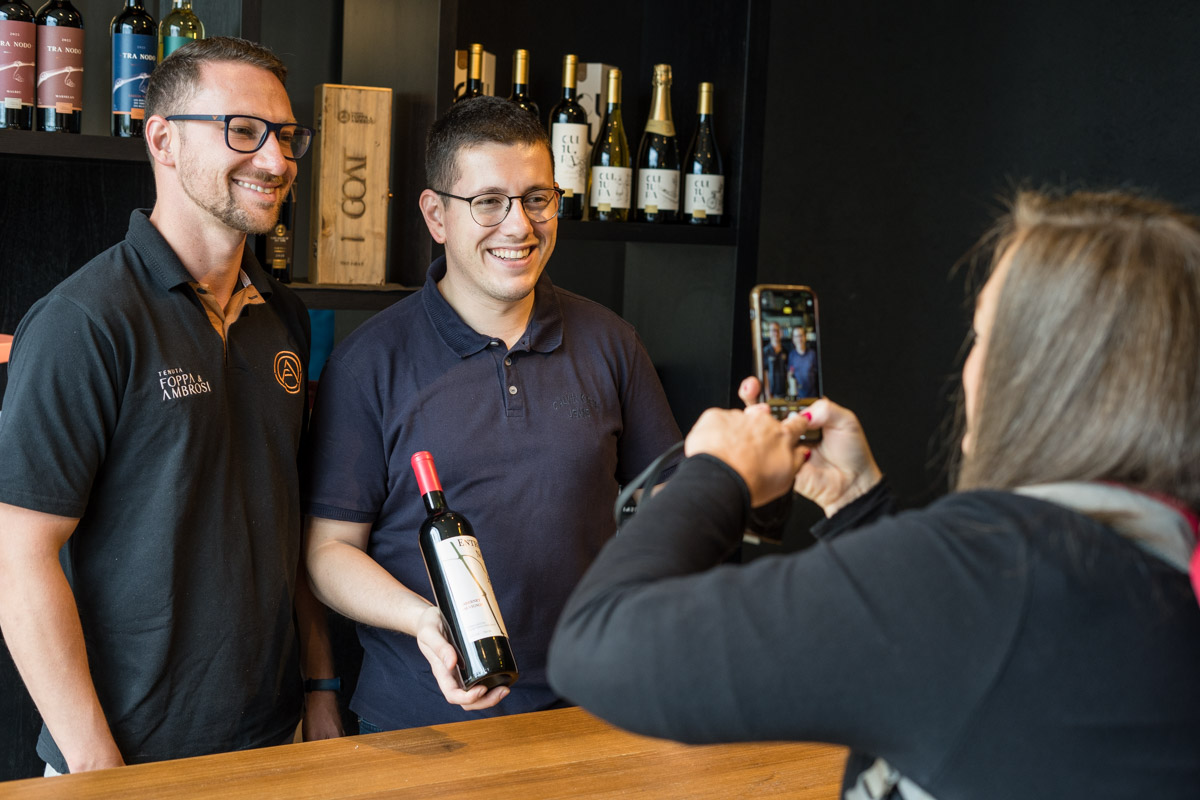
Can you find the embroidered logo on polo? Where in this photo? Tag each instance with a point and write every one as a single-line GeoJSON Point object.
{"type": "Point", "coordinates": [576, 405]}
{"type": "Point", "coordinates": [288, 371]}
{"type": "Point", "coordinates": [177, 384]}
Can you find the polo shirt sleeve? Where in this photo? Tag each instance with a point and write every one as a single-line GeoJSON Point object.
{"type": "Point", "coordinates": [60, 408]}
{"type": "Point", "coordinates": [346, 478]}
{"type": "Point", "coordinates": [648, 426]}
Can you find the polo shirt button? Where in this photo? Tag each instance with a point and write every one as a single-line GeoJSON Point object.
{"type": "Point", "coordinates": [508, 362]}
{"type": "Point", "coordinates": [493, 343]}
{"type": "Point", "coordinates": [512, 390]}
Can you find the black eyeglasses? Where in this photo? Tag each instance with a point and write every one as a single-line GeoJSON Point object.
{"type": "Point", "coordinates": [491, 208]}
{"type": "Point", "coordinates": [245, 134]}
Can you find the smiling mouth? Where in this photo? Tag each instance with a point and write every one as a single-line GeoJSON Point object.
{"type": "Point", "coordinates": [256, 187]}
{"type": "Point", "coordinates": [511, 255]}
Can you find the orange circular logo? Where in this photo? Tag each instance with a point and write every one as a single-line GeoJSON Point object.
{"type": "Point", "coordinates": [288, 371]}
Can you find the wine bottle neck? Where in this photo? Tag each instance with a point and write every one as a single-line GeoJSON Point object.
{"type": "Point", "coordinates": [435, 501]}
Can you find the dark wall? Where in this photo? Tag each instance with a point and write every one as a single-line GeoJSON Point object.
{"type": "Point", "coordinates": [892, 130]}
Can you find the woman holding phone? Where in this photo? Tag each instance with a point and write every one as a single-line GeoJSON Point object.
{"type": "Point", "coordinates": [1033, 634]}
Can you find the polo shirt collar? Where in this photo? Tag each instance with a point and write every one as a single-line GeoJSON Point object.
{"type": "Point", "coordinates": [543, 334]}
{"type": "Point", "coordinates": [166, 266]}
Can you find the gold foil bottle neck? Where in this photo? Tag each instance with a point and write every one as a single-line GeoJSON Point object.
{"type": "Point", "coordinates": [614, 87]}
{"type": "Point", "coordinates": [570, 62]}
{"type": "Point", "coordinates": [521, 67]}
{"type": "Point", "coordinates": [704, 105]}
{"type": "Point", "coordinates": [475, 63]}
{"type": "Point", "coordinates": [660, 103]}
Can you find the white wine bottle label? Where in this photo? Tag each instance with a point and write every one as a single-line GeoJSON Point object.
{"type": "Point", "coordinates": [470, 588]}
{"type": "Point", "coordinates": [703, 195]}
{"type": "Point", "coordinates": [134, 58]}
{"type": "Point", "coordinates": [17, 58]}
{"type": "Point", "coordinates": [60, 68]}
{"type": "Point", "coordinates": [610, 187]}
{"type": "Point", "coordinates": [658, 190]}
{"type": "Point", "coordinates": [569, 144]}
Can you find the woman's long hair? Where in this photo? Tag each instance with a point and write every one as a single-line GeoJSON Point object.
{"type": "Point", "coordinates": [1093, 364]}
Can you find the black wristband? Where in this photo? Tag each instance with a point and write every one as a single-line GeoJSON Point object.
{"type": "Point", "coordinates": [323, 685]}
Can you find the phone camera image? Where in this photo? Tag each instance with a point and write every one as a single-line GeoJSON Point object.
{"type": "Point", "coordinates": [787, 346]}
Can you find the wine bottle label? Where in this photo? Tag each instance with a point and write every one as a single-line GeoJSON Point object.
{"type": "Point", "coordinates": [664, 126]}
{"type": "Point", "coordinates": [172, 43]}
{"type": "Point", "coordinates": [18, 55]}
{"type": "Point", "coordinates": [703, 195]}
{"type": "Point", "coordinates": [611, 187]}
{"type": "Point", "coordinates": [658, 190]}
{"type": "Point", "coordinates": [60, 68]}
{"type": "Point", "coordinates": [469, 588]}
{"type": "Point", "coordinates": [569, 144]}
{"type": "Point", "coordinates": [134, 57]}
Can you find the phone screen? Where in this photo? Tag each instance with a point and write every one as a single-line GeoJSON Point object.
{"type": "Point", "coordinates": [787, 344]}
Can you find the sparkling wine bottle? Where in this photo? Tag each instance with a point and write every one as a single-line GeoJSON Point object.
{"type": "Point", "coordinates": [18, 56]}
{"type": "Point", "coordinates": [474, 87]}
{"type": "Point", "coordinates": [520, 89]}
{"type": "Point", "coordinates": [569, 145]}
{"type": "Point", "coordinates": [611, 175]}
{"type": "Point", "coordinates": [134, 56]}
{"type": "Point", "coordinates": [658, 156]}
{"type": "Point", "coordinates": [703, 178]}
{"type": "Point", "coordinates": [178, 27]}
{"type": "Point", "coordinates": [59, 67]}
{"type": "Point", "coordinates": [461, 586]}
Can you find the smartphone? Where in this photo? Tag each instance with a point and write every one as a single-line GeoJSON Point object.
{"type": "Point", "coordinates": [787, 348]}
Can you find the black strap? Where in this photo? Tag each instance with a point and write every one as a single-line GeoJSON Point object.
{"type": "Point", "coordinates": [626, 505]}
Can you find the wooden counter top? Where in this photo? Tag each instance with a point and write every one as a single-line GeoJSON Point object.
{"type": "Point", "coordinates": [566, 753]}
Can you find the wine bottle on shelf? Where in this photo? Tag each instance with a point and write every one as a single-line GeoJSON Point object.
{"type": "Point", "coordinates": [569, 145]}
{"type": "Point", "coordinates": [178, 27]}
{"type": "Point", "coordinates": [610, 180]}
{"type": "Point", "coordinates": [276, 248]}
{"type": "Point", "coordinates": [18, 55]}
{"type": "Point", "coordinates": [658, 156]}
{"type": "Point", "coordinates": [134, 56]}
{"type": "Point", "coordinates": [59, 67]}
{"type": "Point", "coordinates": [703, 178]}
{"type": "Point", "coordinates": [461, 586]}
{"type": "Point", "coordinates": [474, 87]}
{"type": "Point", "coordinates": [520, 90]}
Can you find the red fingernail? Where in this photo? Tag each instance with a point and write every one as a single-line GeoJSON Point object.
{"type": "Point", "coordinates": [807, 455]}
{"type": "Point", "coordinates": [807, 416]}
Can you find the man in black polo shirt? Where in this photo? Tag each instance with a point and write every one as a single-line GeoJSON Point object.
{"type": "Point", "coordinates": [150, 434]}
{"type": "Point", "coordinates": [536, 404]}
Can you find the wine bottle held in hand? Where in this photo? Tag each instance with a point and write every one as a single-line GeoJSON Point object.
{"type": "Point", "coordinates": [569, 145]}
{"type": "Point", "coordinates": [703, 178]}
{"type": "Point", "coordinates": [658, 156]}
{"type": "Point", "coordinates": [609, 183]}
{"type": "Point", "coordinates": [461, 586]}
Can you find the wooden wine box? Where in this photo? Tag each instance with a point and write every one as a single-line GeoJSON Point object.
{"type": "Point", "coordinates": [351, 168]}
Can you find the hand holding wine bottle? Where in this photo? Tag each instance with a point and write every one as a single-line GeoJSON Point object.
{"type": "Point", "coordinates": [464, 597]}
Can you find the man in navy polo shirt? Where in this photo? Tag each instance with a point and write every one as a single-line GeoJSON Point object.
{"type": "Point", "coordinates": [535, 403]}
{"type": "Point", "coordinates": [150, 436]}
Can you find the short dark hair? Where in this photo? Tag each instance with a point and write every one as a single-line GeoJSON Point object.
{"type": "Point", "coordinates": [177, 78]}
{"type": "Point", "coordinates": [1092, 371]}
{"type": "Point", "coordinates": [467, 123]}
